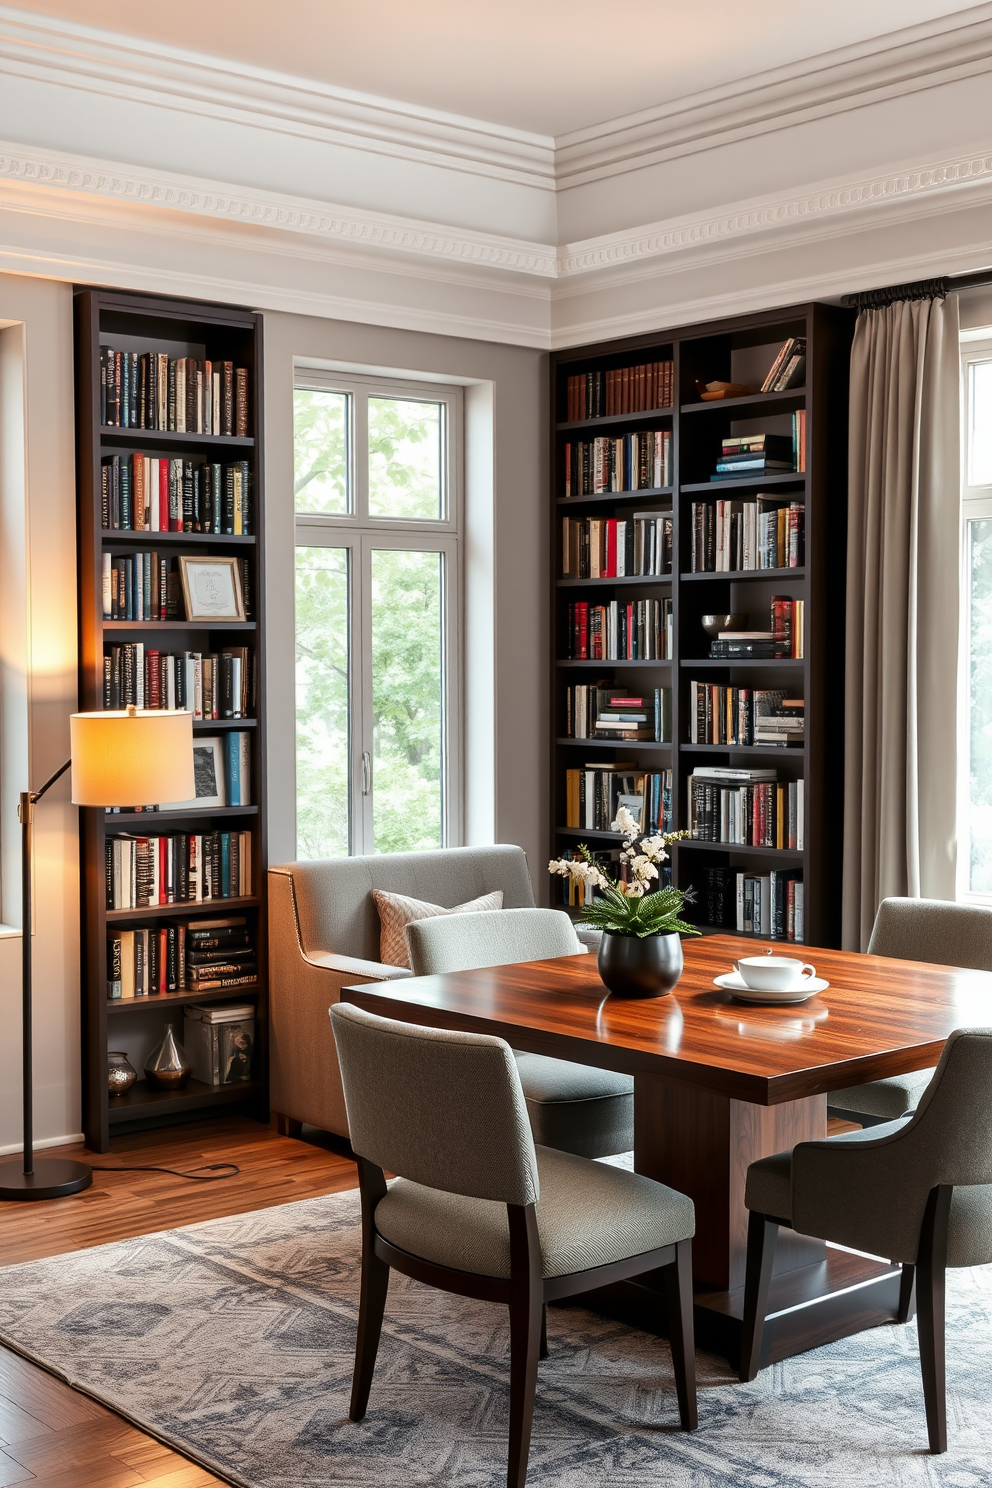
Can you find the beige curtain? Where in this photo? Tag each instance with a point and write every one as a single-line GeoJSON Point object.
{"type": "Point", "coordinates": [902, 609]}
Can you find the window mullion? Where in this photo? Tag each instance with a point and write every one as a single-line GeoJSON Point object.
{"type": "Point", "coordinates": [360, 453]}
{"type": "Point", "coordinates": [364, 694]}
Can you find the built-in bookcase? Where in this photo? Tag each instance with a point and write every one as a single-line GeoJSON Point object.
{"type": "Point", "coordinates": [739, 351]}
{"type": "Point", "coordinates": [198, 332]}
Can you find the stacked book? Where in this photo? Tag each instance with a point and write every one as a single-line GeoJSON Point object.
{"type": "Point", "coordinates": [594, 792]}
{"type": "Point", "coordinates": [788, 370]}
{"type": "Point", "coordinates": [184, 395]}
{"type": "Point", "coordinates": [181, 868]}
{"type": "Point", "coordinates": [638, 389]}
{"type": "Point", "coordinates": [598, 712]}
{"type": "Point", "coordinates": [751, 455]}
{"type": "Point", "coordinates": [218, 684]}
{"type": "Point", "coordinates": [742, 715]}
{"type": "Point", "coordinates": [784, 638]}
{"type": "Point", "coordinates": [759, 532]}
{"type": "Point", "coordinates": [746, 808]}
{"type": "Point", "coordinates": [220, 1041]}
{"type": "Point", "coordinates": [633, 630]}
{"type": "Point", "coordinates": [639, 461]}
{"type": "Point", "coordinates": [199, 955]}
{"type": "Point", "coordinates": [146, 493]}
{"type": "Point", "coordinates": [617, 547]}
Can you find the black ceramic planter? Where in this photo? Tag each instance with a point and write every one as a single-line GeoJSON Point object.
{"type": "Point", "coordinates": [635, 967]}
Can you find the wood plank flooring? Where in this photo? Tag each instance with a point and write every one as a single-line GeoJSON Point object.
{"type": "Point", "coordinates": [50, 1435]}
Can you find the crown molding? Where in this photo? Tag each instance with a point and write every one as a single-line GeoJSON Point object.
{"type": "Point", "coordinates": [61, 52]}
{"type": "Point", "coordinates": [910, 191]}
{"type": "Point", "coordinates": [58, 172]}
{"type": "Point", "coordinates": [902, 63]}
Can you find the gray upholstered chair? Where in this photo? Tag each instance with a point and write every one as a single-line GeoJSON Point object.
{"type": "Point", "coordinates": [571, 1106]}
{"type": "Point", "coordinates": [916, 930]}
{"type": "Point", "coordinates": [478, 1210]}
{"type": "Point", "coordinates": [324, 935]}
{"type": "Point", "coordinates": [917, 1191]}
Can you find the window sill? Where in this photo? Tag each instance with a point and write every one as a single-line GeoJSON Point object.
{"type": "Point", "coordinates": [10, 932]}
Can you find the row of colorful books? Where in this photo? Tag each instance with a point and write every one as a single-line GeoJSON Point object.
{"type": "Point", "coordinates": [202, 955]}
{"type": "Point", "coordinates": [760, 532]}
{"type": "Point", "coordinates": [607, 712]}
{"type": "Point", "coordinates": [636, 630]}
{"type": "Point", "coordinates": [593, 793]}
{"type": "Point", "coordinates": [218, 684]}
{"type": "Point", "coordinates": [149, 493]}
{"type": "Point", "coordinates": [603, 394]}
{"type": "Point", "coordinates": [181, 868]}
{"type": "Point", "coordinates": [744, 715]}
{"type": "Point", "coordinates": [617, 547]}
{"type": "Point", "coordinates": [639, 461]}
{"type": "Point", "coordinates": [745, 808]}
{"type": "Point", "coordinates": [182, 395]}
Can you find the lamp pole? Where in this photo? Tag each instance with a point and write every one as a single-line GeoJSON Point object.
{"type": "Point", "coordinates": [50, 1177]}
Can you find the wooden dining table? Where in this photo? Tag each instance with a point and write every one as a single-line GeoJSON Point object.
{"type": "Point", "coordinates": [719, 1083]}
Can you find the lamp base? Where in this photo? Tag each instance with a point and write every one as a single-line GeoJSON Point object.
{"type": "Point", "coordinates": [53, 1178]}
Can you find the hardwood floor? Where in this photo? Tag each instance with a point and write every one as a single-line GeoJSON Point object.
{"type": "Point", "coordinates": [50, 1435]}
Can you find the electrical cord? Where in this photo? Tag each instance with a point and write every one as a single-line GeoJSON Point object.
{"type": "Point", "coordinates": [209, 1173]}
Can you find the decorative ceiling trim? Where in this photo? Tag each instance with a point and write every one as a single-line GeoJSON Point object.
{"type": "Point", "coordinates": [901, 63]}
{"type": "Point", "coordinates": [118, 66]}
{"type": "Point", "coordinates": [902, 187]}
{"type": "Point", "coordinates": [263, 209]}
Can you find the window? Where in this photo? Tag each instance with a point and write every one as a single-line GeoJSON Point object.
{"type": "Point", "coordinates": [975, 772]}
{"type": "Point", "coordinates": [378, 514]}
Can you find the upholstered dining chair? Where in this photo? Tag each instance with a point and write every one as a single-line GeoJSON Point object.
{"type": "Point", "coordinates": [916, 930]}
{"type": "Point", "coordinates": [571, 1106]}
{"type": "Point", "coordinates": [477, 1209]}
{"type": "Point", "coordinates": [917, 1190]}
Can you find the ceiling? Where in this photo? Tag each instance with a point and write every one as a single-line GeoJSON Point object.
{"type": "Point", "coordinates": [545, 66]}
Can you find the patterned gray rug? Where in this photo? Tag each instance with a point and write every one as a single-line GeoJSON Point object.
{"type": "Point", "coordinates": [232, 1341]}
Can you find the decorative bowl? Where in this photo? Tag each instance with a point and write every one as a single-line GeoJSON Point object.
{"type": "Point", "coordinates": [713, 624]}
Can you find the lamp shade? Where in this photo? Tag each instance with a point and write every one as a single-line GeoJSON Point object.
{"type": "Point", "coordinates": [132, 758]}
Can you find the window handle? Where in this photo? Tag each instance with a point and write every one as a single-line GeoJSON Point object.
{"type": "Point", "coordinates": [366, 773]}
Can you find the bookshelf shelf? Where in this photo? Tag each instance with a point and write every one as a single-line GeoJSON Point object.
{"type": "Point", "coordinates": [111, 435]}
{"type": "Point", "coordinates": [614, 420]}
{"type": "Point", "coordinates": [201, 332]}
{"type": "Point", "coordinates": [742, 575]}
{"type": "Point", "coordinates": [624, 579]}
{"type": "Point", "coordinates": [792, 398]}
{"type": "Point", "coordinates": [744, 483]}
{"type": "Point", "coordinates": [211, 907]}
{"type": "Point", "coordinates": [738, 349]}
{"type": "Point", "coordinates": [177, 999]}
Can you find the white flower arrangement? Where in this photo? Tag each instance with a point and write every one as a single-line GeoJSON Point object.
{"type": "Point", "coordinates": [627, 906]}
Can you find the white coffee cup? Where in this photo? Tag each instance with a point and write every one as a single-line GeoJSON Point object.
{"type": "Point", "coordinates": [773, 973]}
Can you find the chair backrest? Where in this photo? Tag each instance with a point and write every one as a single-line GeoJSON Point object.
{"type": "Point", "coordinates": [443, 1109]}
{"type": "Point", "coordinates": [951, 1130]}
{"type": "Point", "coordinates": [933, 930]}
{"type": "Point", "coordinates": [496, 938]}
{"type": "Point", "coordinates": [333, 897]}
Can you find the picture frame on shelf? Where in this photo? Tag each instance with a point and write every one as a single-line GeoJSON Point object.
{"type": "Point", "coordinates": [212, 588]}
{"type": "Point", "coordinates": [208, 774]}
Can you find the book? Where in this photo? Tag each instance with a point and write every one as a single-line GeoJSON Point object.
{"type": "Point", "coordinates": [763, 531]}
{"type": "Point", "coordinates": [221, 1047]}
{"type": "Point", "coordinates": [182, 867]}
{"type": "Point", "coordinates": [619, 390]}
{"type": "Point", "coordinates": [637, 461]}
{"type": "Point", "coordinates": [593, 794]}
{"type": "Point", "coordinates": [617, 547]}
{"type": "Point", "coordinates": [210, 685]}
{"type": "Point", "coordinates": [619, 630]}
{"type": "Point", "coordinates": [183, 395]}
{"type": "Point", "coordinates": [154, 493]}
{"type": "Point", "coordinates": [604, 711]}
{"type": "Point", "coordinates": [788, 370]}
{"type": "Point", "coordinates": [748, 808]}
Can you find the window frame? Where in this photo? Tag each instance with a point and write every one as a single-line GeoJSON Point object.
{"type": "Point", "coordinates": [360, 532]}
{"type": "Point", "coordinates": [976, 505]}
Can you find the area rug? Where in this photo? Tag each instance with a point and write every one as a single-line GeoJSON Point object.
{"type": "Point", "coordinates": [232, 1341]}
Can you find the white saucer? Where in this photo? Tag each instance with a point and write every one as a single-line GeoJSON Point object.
{"type": "Point", "coordinates": [733, 982]}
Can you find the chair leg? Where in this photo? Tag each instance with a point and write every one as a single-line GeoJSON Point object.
{"type": "Point", "coordinates": [907, 1295]}
{"type": "Point", "coordinates": [375, 1284]}
{"type": "Point", "coordinates": [762, 1237]}
{"type": "Point", "coordinates": [525, 1350]}
{"type": "Point", "coordinates": [544, 1331]}
{"type": "Point", "coordinates": [678, 1303]}
{"type": "Point", "coordinates": [930, 1273]}
{"type": "Point", "coordinates": [287, 1126]}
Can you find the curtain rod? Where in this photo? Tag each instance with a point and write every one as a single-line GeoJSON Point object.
{"type": "Point", "coordinates": [920, 289]}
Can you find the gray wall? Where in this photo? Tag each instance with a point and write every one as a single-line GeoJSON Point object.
{"type": "Point", "coordinates": [507, 565]}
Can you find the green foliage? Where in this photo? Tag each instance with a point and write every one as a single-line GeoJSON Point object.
{"type": "Point", "coordinates": [404, 458]}
{"type": "Point", "coordinates": [623, 914]}
{"type": "Point", "coordinates": [320, 443]}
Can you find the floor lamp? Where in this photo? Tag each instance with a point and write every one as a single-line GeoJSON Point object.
{"type": "Point", "coordinates": [117, 759]}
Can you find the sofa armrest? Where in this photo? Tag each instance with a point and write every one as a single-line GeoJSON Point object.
{"type": "Point", "coordinates": [354, 966]}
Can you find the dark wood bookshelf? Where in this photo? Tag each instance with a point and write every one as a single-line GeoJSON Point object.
{"type": "Point", "coordinates": [645, 493]}
{"type": "Point", "coordinates": [739, 349]}
{"type": "Point", "coordinates": [216, 332]}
